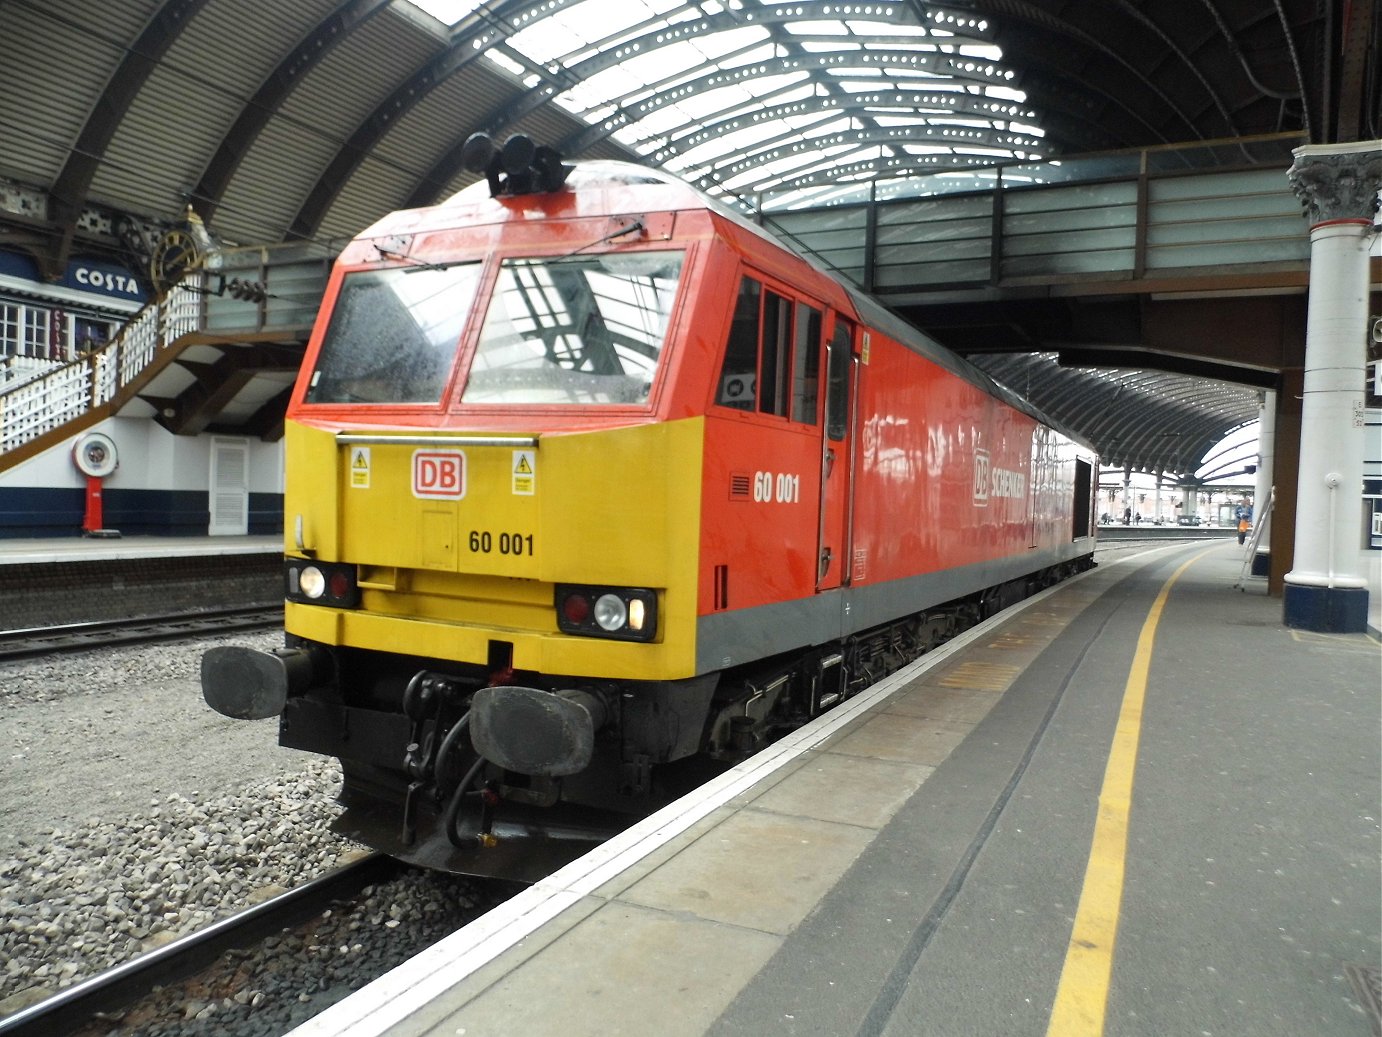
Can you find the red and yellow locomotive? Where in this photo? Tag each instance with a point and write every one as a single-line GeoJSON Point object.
{"type": "Point", "coordinates": [592, 486]}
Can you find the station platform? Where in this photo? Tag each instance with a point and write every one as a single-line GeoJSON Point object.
{"type": "Point", "coordinates": [1135, 804]}
{"type": "Point", "coordinates": [51, 550]}
{"type": "Point", "coordinates": [75, 579]}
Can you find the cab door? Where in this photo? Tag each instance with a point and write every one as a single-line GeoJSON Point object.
{"type": "Point", "coordinates": [837, 459]}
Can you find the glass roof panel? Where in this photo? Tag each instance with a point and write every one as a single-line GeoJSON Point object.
{"type": "Point", "coordinates": [448, 12]}
{"type": "Point", "coordinates": [569, 31]}
{"type": "Point", "coordinates": [768, 90]}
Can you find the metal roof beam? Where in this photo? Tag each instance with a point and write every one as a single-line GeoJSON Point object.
{"type": "Point", "coordinates": [1193, 367]}
{"type": "Point", "coordinates": [73, 183]}
{"type": "Point", "coordinates": [881, 168]}
{"type": "Point", "coordinates": [468, 42]}
{"type": "Point", "coordinates": [712, 75]}
{"type": "Point", "coordinates": [938, 101]}
{"type": "Point", "coordinates": [1357, 40]}
{"type": "Point", "coordinates": [271, 95]}
{"type": "Point", "coordinates": [923, 103]}
{"type": "Point", "coordinates": [1031, 14]}
{"type": "Point", "coordinates": [915, 133]}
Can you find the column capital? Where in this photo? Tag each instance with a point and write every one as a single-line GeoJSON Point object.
{"type": "Point", "coordinates": [1338, 181]}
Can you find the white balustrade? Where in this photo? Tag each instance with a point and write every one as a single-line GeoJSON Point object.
{"type": "Point", "coordinates": [38, 397]}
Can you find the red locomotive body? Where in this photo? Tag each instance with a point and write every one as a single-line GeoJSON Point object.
{"type": "Point", "coordinates": [590, 489]}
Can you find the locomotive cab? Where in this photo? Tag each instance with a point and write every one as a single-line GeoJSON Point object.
{"type": "Point", "coordinates": [491, 510]}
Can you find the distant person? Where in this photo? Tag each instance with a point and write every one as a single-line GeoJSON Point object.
{"type": "Point", "coordinates": [1243, 528]}
{"type": "Point", "coordinates": [1127, 516]}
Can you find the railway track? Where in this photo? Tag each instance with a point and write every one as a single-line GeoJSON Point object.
{"type": "Point", "coordinates": [21, 644]}
{"type": "Point", "coordinates": [117, 988]}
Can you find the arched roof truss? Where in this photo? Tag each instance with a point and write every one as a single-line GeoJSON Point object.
{"type": "Point", "coordinates": [695, 74]}
{"type": "Point", "coordinates": [1146, 420]}
{"type": "Point", "coordinates": [314, 118]}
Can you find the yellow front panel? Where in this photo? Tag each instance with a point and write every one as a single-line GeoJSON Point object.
{"type": "Point", "coordinates": [461, 545]}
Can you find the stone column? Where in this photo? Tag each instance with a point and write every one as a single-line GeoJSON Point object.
{"type": "Point", "coordinates": [1262, 487]}
{"type": "Point", "coordinates": [1326, 589]}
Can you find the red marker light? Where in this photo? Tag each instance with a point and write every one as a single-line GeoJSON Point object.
{"type": "Point", "coordinates": [576, 609]}
{"type": "Point", "coordinates": [339, 585]}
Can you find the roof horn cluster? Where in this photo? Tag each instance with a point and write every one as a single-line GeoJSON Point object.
{"type": "Point", "coordinates": [519, 167]}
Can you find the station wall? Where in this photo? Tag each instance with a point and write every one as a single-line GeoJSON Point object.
{"type": "Point", "coordinates": [162, 487]}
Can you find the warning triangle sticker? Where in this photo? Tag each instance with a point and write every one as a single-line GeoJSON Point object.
{"type": "Point", "coordinates": [523, 467]}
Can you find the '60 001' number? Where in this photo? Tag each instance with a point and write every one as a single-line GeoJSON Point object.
{"type": "Point", "coordinates": [483, 542]}
{"type": "Point", "coordinates": [782, 488]}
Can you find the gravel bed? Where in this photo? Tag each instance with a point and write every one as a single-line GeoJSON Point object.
{"type": "Point", "coordinates": [285, 981]}
{"type": "Point", "coordinates": [81, 901]}
{"type": "Point", "coordinates": [28, 682]}
{"type": "Point", "coordinates": [131, 813]}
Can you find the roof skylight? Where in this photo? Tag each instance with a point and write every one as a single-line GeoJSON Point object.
{"type": "Point", "coordinates": [735, 94]}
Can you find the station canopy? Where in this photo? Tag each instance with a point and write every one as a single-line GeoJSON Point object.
{"type": "Point", "coordinates": [1146, 421]}
{"type": "Point", "coordinates": [748, 96]}
{"type": "Point", "coordinates": [309, 120]}
{"type": "Point", "coordinates": [800, 102]}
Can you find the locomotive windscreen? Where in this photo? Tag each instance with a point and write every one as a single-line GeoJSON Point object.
{"type": "Point", "coordinates": [575, 329]}
{"type": "Point", "coordinates": [393, 335]}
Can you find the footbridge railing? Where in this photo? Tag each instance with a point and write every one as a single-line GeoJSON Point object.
{"type": "Point", "coordinates": [257, 292]}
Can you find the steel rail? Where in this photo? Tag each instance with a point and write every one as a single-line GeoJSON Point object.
{"type": "Point", "coordinates": [31, 641]}
{"type": "Point", "coordinates": [122, 985]}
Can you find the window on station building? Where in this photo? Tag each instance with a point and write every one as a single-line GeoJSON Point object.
{"type": "Point", "coordinates": [11, 329]}
{"type": "Point", "coordinates": [89, 334]}
{"type": "Point", "coordinates": [37, 331]}
{"type": "Point", "coordinates": [772, 356]}
{"type": "Point", "coordinates": [28, 331]}
{"type": "Point", "coordinates": [33, 331]}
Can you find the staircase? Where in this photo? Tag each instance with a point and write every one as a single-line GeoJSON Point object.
{"type": "Point", "coordinates": [260, 298]}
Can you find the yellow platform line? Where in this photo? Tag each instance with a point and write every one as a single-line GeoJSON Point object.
{"type": "Point", "coordinates": [1082, 997]}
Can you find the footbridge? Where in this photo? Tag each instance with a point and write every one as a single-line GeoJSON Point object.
{"type": "Point", "coordinates": [217, 352]}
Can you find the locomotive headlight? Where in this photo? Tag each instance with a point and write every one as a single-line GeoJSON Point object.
{"type": "Point", "coordinates": [311, 582]}
{"type": "Point", "coordinates": [622, 613]}
{"type": "Point", "coordinates": [322, 583]}
{"type": "Point", "coordinates": [611, 612]}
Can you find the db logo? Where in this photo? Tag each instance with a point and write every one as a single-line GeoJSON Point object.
{"type": "Point", "coordinates": [439, 473]}
{"type": "Point", "coordinates": [981, 478]}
